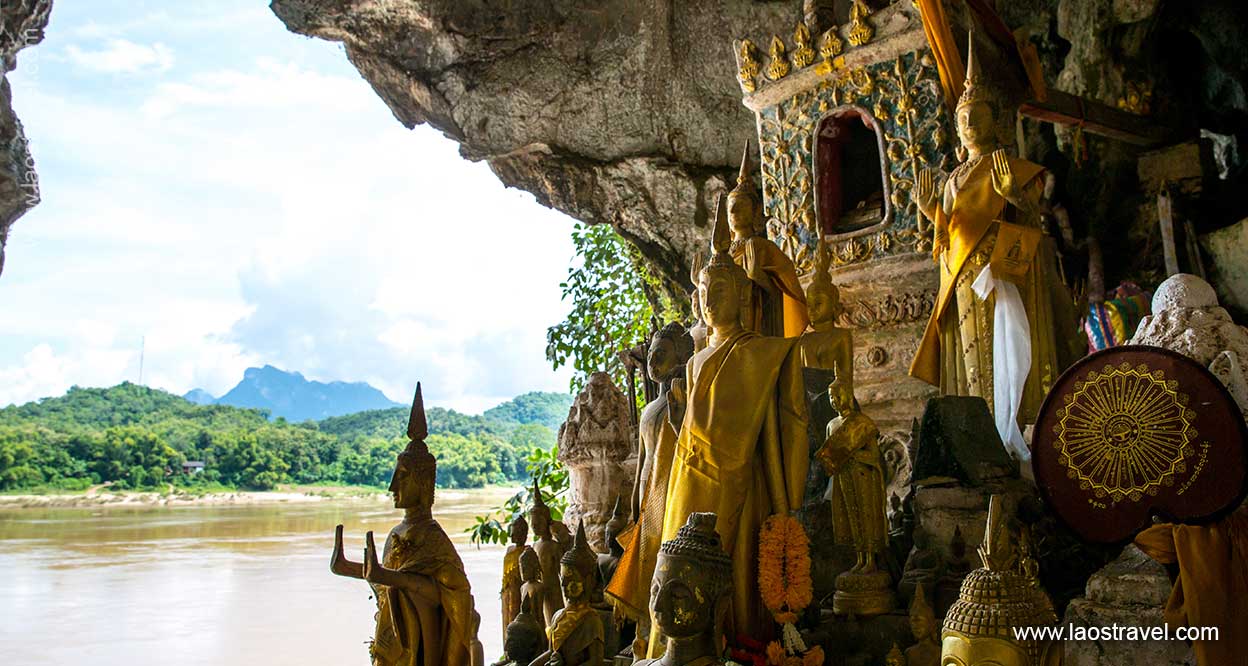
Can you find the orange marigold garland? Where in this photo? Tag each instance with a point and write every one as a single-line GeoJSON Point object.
{"type": "Point", "coordinates": [784, 580]}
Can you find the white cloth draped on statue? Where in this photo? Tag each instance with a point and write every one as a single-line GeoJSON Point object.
{"type": "Point", "coordinates": [1011, 358]}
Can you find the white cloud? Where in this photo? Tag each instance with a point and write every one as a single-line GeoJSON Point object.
{"type": "Point", "coordinates": [122, 56]}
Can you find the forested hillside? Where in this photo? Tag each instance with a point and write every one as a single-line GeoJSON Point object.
{"type": "Point", "coordinates": [136, 437]}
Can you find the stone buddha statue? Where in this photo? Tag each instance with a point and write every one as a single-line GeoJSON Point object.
{"type": "Point", "coordinates": [774, 304]}
{"type": "Point", "coordinates": [691, 594]}
{"type": "Point", "coordinates": [510, 593]}
{"type": "Point", "coordinates": [609, 561]}
{"type": "Point", "coordinates": [995, 600]}
{"type": "Point", "coordinates": [742, 450]}
{"type": "Point", "coordinates": [670, 349]}
{"type": "Point", "coordinates": [576, 633]}
{"type": "Point", "coordinates": [532, 587]}
{"type": "Point", "coordinates": [425, 613]}
{"type": "Point", "coordinates": [992, 196]}
{"type": "Point", "coordinates": [923, 626]}
{"type": "Point", "coordinates": [525, 637]}
{"type": "Point", "coordinates": [548, 553]}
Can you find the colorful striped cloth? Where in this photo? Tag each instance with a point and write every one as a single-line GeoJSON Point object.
{"type": "Point", "coordinates": [1113, 322]}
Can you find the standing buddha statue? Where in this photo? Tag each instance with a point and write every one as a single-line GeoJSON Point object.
{"type": "Point", "coordinates": [425, 614]}
{"type": "Point", "coordinates": [576, 633]}
{"type": "Point", "coordinates": [691, 595]}
{"type": "Point", "coordinates": [548, 553]}
{"type": "Point", "coordinates": [510, 593]}
{"type": "Point", "coordinates": [670, 349]}
{"type": "Point", "coordinates": [992, 199]}
{"type": "Point", "coordinates": [775, 304]}
{"type": "Point", "coordinates": [533, 588]}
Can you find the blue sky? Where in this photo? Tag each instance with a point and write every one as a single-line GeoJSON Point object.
{"type": "Point", "coordinates": [237, 195]}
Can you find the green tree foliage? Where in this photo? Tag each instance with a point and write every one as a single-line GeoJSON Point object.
{"type": "Point", "coordinates": [551, 479]}
{"type": "Point", "coordinates": [547, 409]}
{"type": "Point", "coordinates": [135, 437]}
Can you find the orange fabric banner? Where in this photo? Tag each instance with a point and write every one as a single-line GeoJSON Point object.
{"type": "Point", "coordinates": [944, 48]}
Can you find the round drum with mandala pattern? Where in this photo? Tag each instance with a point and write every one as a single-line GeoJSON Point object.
{"type": "Point", "coordinates": [1135, 431]}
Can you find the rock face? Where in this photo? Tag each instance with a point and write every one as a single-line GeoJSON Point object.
{"type": "Point", "coordinates": [21, 25]}
{"type": "Point", "coordinates": [597, 445]}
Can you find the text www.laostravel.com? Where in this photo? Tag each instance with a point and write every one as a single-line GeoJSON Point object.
{"type": "Point", "coordinates": [1115, 632]}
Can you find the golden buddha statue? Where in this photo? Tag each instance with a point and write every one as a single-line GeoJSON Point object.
{"type": "Point", "coordinates": [742, 450]}
{"type": "Point", "coordinates": [670, 349]}
{"type": "Point", "coordinates": [989, 215]}
{"type": "Point", "coordinates": [548, 553]}
{"type": "Point", "coordinates": [895, 657]}
{"type": "Point", "coordinates": [994, 601]}
{"type": "Point", "coordinates": [510, 592]}
{"type": "Point", "coordinates": [691, 594]}
{"type": "Point", "coordinates": [825, 345]}
{"type": "Point", "coordinates": [775, 304]}
{"type": "Point", "coordinates": [923, 626]}
{"type": "Point", "coordinates": [851, 456]}
{"type": "Point", "coordinates": [533, 588]}
{"type": "Point", "coordinates": [576, 633]}
{"type": "Point", "coordinates": [698, 330]}
{"type": "Point", "coordinates": [425, 614]}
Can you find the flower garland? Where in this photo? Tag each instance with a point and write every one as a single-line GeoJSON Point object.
{"type": "Point", "coordinates": [786, 587]}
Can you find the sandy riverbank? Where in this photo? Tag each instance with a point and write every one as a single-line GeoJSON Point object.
{"type": "Point", "coordinates": [103, 497]}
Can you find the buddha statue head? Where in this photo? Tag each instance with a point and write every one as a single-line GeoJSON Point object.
{"type": "Point", "coordinates": [745, 208]}
{"type": "Point", "coordinates": [617, 524]}
{"type": "Point", "coordinates": [530, 565]}
{"type": "Point", "coordinates": [539, 515]}
{"type": "Point", "coordinates": [416, 468]}
{"type": "Point", "coordinates": [519, 531]}
{"type": "Point", "coordinates": [895, 657]}
{"type": "Point", "coordinates": [722, 284]}
{"type": "Point", "coordinates": [561, 534]}
{"type": "Point", "coordinates": [823, 298]}
{"type": "Point", "coordinates": [975, 115]}
{"type": "Point", "coordinates": [922, 620]}
{"type": "Point", "coordinates": [670, 347]}
{"type": "Point", "coordinates": [841, 393]}
{"type": "Point", "coordinates": [578, 569]}
{"type": "Point", "coordinates": [690, 592]}
{"type": "Point", "coordinates": [993, 602]}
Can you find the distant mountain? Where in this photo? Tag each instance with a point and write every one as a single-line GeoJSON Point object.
{"type": "Point", "coordinates": [548, 409]}
{"type": "Point", "coordinates": [290, 395]}
{"type": "Point", "coordinates": [199, 397]}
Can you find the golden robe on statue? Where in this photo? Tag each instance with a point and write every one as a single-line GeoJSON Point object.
{"type": "Point", "coordinates": [411, 631]}
{"type": "Point", "coordinates": [742, 454]}
{"type": "Point", "coordinates": [776, 304]}
{"type": "Point", "coordinates": [956, 353]}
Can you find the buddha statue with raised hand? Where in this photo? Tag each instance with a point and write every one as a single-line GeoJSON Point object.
{"type": "Point", "coordinates": [576, 633]}
{"type": "Point", "coordinates": [992, 199]}
{"type": "Point", "coordinates": [425, 614]}
{"type": "Point", "coordinates": [690, 595]}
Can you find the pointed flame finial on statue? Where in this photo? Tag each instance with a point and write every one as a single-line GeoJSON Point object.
{"type": "Point", "coordinates": [417, 427]}
{"type": "Point", "coordinates": [721, 234]}
{"type": "Point", "coordinates": [975, 88]}
{"type": "Point", "coordinates": [996, 552]}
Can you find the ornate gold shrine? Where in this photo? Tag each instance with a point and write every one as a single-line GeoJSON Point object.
{"type": "Point", "coordinates": [1134, 431]}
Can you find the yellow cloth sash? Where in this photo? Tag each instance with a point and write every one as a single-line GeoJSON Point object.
{"type": "Point", "coordinates": [565, 622]}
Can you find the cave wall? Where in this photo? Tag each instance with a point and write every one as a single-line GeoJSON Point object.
{"type": "Point", "coordinates": [21, 25]}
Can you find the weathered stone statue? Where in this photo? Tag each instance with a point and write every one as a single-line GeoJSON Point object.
{"type": "Point", "coordinates": [921, 571]}
{"type": "Point", "coordinates": [609, 561]}
{"type": "Point", "coordinates": [533, 588]}
{"type": "Point", "coordinates": [851, 456]}
{"type": "Point", "coordinates": [992, 196]}
{"type": "Point", "coordinates": [425, 614]}
{"type": "Point", "coordinates": [510, 593]}
{"type": "Point", "coordinates": [525, 636]}
{"type": "Point", "coordinates": [562, 535]}
{"type": "Point", "coordinates": [596, 445]}
{"type": "Point", "coordinates": [692, 584]}
{"type": "Point", "coordinates": [698, 330]}
{"type": "Point", "coordinates": [923, 626]}
{"type": "Point", "coordinates": [994, 600]}
{"type": "Point", "coordinates": [774, 304]}
{"type": "Point", "coordinates": [548, 553]}
{"type": "Point", "coordinates": [576, 633]}
{"type": "Point", "coordinates": [670, 349]}
{"type": "Point", "coordinates": [742, 451]}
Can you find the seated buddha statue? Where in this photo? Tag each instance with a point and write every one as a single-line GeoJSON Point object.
{"type": "Point", "coordinates": [774, 304]}
{"type": "Point", "coordinates": [991, 196]}
{"type": "Point", "coordinates": [691, 594]}
{"type": "Point", "coordinates": [576, 633]}
{"type": "Point", "coordinates": [823, 344]}
{"type": "Point", "coordinates": [524, 637]}
{"type": "Point", "coordinates": [425, 614]}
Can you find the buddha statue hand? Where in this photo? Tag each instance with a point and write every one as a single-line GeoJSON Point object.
{"type": "Point", "coordinates": [925, 195]}
{"type": "Point", "coordinates": [1003, 178]}
{"type": "Point", "coordinates": [373, 571]}
{"type": "Point", "coordinates": [338, 562]}
{"type": "Point", "coordinates": [676, 398]}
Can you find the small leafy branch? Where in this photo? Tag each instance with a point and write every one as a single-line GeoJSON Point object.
{"type": "Point", "coordinates": [552, 480]}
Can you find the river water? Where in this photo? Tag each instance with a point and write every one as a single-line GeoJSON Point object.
{"type": "Point", "coordinates": [219, 585]}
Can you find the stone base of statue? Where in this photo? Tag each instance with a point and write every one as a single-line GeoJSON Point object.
{"type": "Point", "coordinates": [859, 640]}
{"type": "Point", "coordinates": [863, 594]}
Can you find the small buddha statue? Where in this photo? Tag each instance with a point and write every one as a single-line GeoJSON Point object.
{"type": "Point", "coordinates": [670, 349]}
{"type": "Point", "coordinates": [851, 456]}
{"type": "Point", "coordinates": [525, 638]}
{"type": "Point", "coordinates": [949, 584]}
{"type": "Point", "coordinates": [690, 595]}
{"type": "Point", "coordinates": [532, 586]}
{"type": "Point", "coordinates": [562, 535]}
{"type": "Point", "coordinates": [610, 560]}
{"type": "Point", "coordinates": [698, 331]}
{"type": "Point", "coordinates": [988, 196]}
{"type": "Point", "coordinates": [824, 345]}
{"type": "Point", "coordinates": [548, 553]}
{"type": "Point", "coordinates": [921, 571]}
{"type": "Point", "coordinates": [425, 613]}
{"type": "Point", "coordinates": [510, 593]}
{"type": "Point", "coordinates": [926, 650]}
{"type": "Point", "coordinates": [775, 304]}
{"type": "Point", "coordinates": [895, 657]}
{"type": "Point", "coordinates": [994, 601]}
{"type": "Point", "coordinates": [576, 633]}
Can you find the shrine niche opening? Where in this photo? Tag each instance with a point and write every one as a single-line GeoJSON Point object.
{"type": "Point", "coordinates": [851, 182]}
